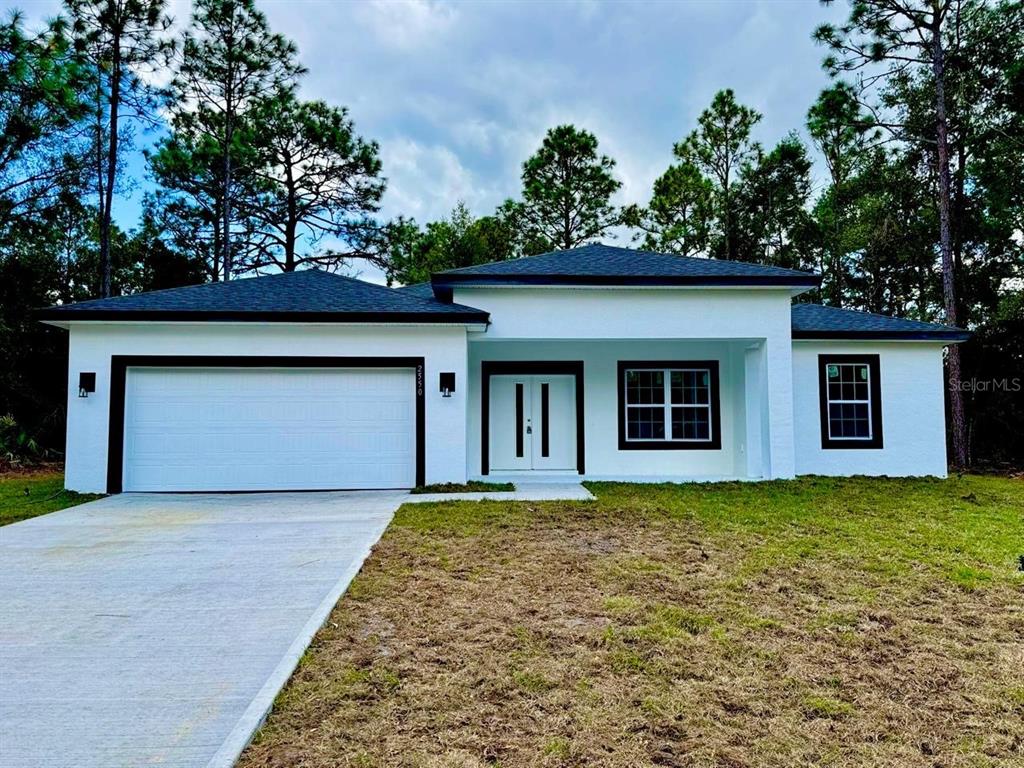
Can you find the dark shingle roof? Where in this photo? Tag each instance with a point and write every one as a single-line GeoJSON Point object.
{"type": "Point", "coordinates": [418, 289]}
{"type": "Point", "coordinates": [814, 321]}
{"type": "Point", "coordinates": [307, 296]}
{"type": "Point", "coordinates": [609, 265]}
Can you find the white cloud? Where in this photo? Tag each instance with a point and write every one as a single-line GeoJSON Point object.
{"type": "Point", "coordinates": [413, 168]}
{"type": "Point", "coordinates": [459, 94]}
{"type": "Point", "coordinates": [406, 24]}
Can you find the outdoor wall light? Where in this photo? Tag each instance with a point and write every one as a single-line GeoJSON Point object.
{"type": "Point", "coordinates": [86, 383]}
{"type": "Point", "coordinates": [447, 384]}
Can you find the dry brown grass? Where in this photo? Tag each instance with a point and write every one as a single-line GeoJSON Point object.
{"type": "Point", "coordinates": [841, 623]}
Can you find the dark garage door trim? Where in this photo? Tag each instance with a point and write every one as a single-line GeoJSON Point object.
{"type": "Point", "coordinates": [119, 365]}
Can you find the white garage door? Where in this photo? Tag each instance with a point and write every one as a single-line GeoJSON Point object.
{"type": "Point", "coordinates": [237, 429]}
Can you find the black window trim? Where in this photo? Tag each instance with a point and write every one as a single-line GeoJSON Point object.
{"type": "Point", "coordinates": [714, 444]}
{"type": "Point", "coordinates": [874, 393]}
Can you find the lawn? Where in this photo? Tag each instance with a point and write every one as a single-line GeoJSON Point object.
{"type": "Point", "coordinates": [473, 486]}
{"type": "Point", "coordinates": [28, 493]}
{"type": "Point", "coordinates": [839, 622]}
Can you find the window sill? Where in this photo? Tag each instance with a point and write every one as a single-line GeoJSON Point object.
{"type": "Point", "coordinates": [670, 445]}
{"type": "Point", "coordinates": [847, 445]}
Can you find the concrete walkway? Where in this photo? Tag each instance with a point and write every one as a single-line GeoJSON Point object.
{"type": "Point", "coordinates": [525, 491]}
{"type": "Point", "coordinates": [153, 629]}
{"type": "Point", "coordinates": [157, 629]}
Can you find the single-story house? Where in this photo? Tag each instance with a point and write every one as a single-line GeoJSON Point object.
{"type": "Point", "coordinates": [596, 362]}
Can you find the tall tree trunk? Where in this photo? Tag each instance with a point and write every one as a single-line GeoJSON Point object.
{"type": "Point", "coordinates": [216, 248]}
{"type": "Point", "coordinates": [105, 208]}
{"type": "Point", "coordinates": [567, 242]}
{"type": "Point", "coordinates": [956, 397]}
{"type": "Point", "coordinates": [838, 277]}
{"type": "Point", "coordinates": [727, 216]}
{"type": "Point", "coordinates": [100, 174]}
{"type": "Point", "coordinates": [290, 225]}
{"type": "Point", "coordinates": [226, 260]}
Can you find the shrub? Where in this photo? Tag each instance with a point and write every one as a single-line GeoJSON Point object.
{"type": "Point", "coordinates": [16, 445]}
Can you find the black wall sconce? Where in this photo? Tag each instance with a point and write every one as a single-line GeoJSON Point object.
{"type": "Point", "coordinates": [86, 383]}
{"type": "Point", "coordinates": [447, 384]}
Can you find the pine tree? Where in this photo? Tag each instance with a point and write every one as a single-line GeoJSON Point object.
{"type": "Point", "coordinates": [894, 40]}
{"type": "Point", "coordinates": [567, 190]}
{"type": "Point", "coordinates": [315, 178]}
{"type": "Point", "coordinates": [121, 41]}
{"type": "Point", "coordinates": [231, 62]}
{"type": "Point", "coordinates": [721, 147]}
{"type": "Point", "coordinates": [679, 216]}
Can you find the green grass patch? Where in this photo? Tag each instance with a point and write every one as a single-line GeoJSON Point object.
{"type": "Point", "coordinates": [30, 494]}
{"type": "Point", "coordinates": [473, 486]}
{"type": "Point", "coordinates": [825, 707]}
{"type": "Point", "coordinates": [532, 682]}
{"type": "Point", "coordinates": [559, 748]}
{"type": "Point", "coordinates": [669, 622]}
{"type": "Point", "coordinates": [970, 529]}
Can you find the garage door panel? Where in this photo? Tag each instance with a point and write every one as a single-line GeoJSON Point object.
{"type": "Point", "coordinates": [268, 429]}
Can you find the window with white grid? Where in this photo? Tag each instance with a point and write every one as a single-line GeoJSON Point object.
{"type": "Point", "coordinates": [848, 393]}
{"type": "Point", "coordinates": [668, 404]}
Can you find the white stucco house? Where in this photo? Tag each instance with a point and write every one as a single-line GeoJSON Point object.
{"type": "Point", "coordinates": [598, 362]}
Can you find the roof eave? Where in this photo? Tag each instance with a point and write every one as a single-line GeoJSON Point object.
{"type": "Point", "coordinates": [63, 316]}
{"type": "Point", "coordinates": [946, 337]}
{"type": "Point", "coordinates": [448, 281]}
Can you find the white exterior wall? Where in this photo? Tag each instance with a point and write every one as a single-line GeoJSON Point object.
{"type": "Point", "coordinates": [768, 383]}
{"type": "Point", "coordinates": [601, 405]}
{"type": "Point", "coordinates": [660, 319]}
{"type": "Point", "coordinates": [913, 411]}
{"type": "Point", "coordinates": [93, 344]}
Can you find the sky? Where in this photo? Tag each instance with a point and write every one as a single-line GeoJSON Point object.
{"type": "Point", "coordinates": [459, 94]}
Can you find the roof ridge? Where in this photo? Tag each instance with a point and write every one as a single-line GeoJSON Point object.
{"type": "Point", "coordinates": [622, 249]}
{"type": "Point", "coordinates": [302, 293]}
{"type": "Point", "coordinates": [210, 284]}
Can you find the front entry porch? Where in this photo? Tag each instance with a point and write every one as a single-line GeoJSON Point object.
{"type": "Point", "coordinates": [619, 409]}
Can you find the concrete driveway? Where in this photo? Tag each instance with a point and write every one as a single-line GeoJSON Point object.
{"type": "Point", "coordinates": [156, 629]}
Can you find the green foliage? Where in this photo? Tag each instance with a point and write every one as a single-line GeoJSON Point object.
{"type": "Point", "coordinates": [151, 260]}
{"type": "Point", "coordinates": [840, 131]}
{"type": "Point", "coordinates": [567, 190]}
{"type": "Point", "coordinates": [725, 197]}
{"type": "Point", "coordinates": [773, 225]}
{"type": "Point", "coordinates": [189, 203]}
{"type": "Point", "coordinates": [33, 376]}
{"type": "Point", "coordinates": [457, 241]}
{"type": "Point", "coordinates": [472, 486]}
{"type": "Point", "coordinates": [16, 445]}
{"type": "Point", "coordinates": [826, 707]}
{"type": "Point", "coordinates": [995, 393]}
{"type": "Point", "coordinates": [679, 216]}
{"type": "Point", "coordinates": [41, 103]}
{"type": "Point", "coordinates": [250, 177]}
{"type": "Point", "coordinates": [880, 218]}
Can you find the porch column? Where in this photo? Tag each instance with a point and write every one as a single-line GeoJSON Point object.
{"type": "Point", "coordinates": [755, 400]}
{"type": "Point", "coordinates": [778, 354]}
